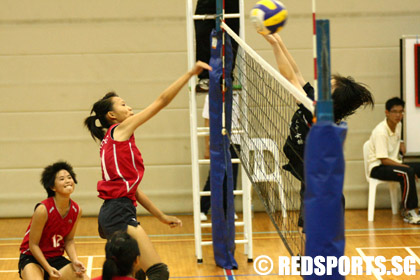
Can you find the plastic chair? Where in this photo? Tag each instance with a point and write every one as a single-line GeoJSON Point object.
{"type": "Point", "coordinates": [374, 183]}
{"type": "Point", "coordinates": [259, 145]}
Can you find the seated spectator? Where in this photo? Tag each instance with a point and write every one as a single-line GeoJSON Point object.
{"type": "Point", "coordinates": [386, 150]}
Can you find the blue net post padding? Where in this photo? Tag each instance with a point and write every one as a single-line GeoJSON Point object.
{"type": "Point", "coordinates": [223, 223]}
{"type": "Point", "coordinates": [323, 198]}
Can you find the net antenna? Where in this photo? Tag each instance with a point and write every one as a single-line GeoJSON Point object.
{"type": "Point", "coordinates": [220, 17]}
{"type": "Point", "coordinates": [267, 103]}
{"type": "Point", "coordinates": [314, 45]}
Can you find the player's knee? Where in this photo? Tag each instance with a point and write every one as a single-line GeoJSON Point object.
{"type": "Point", "coordinates": [158, 271]}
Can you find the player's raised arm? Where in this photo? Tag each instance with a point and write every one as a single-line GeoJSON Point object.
{"type": "Point", "coordinates": [283, 63]}
{"type": "Point", "coordinates": [129, 125]}
{"type": "Point", "coordinates": [290, 58]}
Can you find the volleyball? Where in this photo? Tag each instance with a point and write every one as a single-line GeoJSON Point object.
{"type": "Point", "coordinates": [269, 16]}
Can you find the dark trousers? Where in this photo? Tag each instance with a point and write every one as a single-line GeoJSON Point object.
{"type": "Point", "coordinates": [203, 29]}
{"type": "Point", "coordinates": [405, 176]}
{"type": "Point", "coordinates": [205, 200]}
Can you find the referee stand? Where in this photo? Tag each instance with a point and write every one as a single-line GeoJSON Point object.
{"type": "Point", "coordinates": [196, 162]}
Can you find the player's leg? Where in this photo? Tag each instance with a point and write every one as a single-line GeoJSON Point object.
{"type": "Point", "coordinates": [32, 271]}
{"type": "Point", "coordinates": [29, 268]}
{"type": "Point", "coordinates": [150, 261]}
{"type": "Point", "coordinates": [302, 206]}
{"type": "Point", "coordinates": [64, 266]}
{"type": "Point", "coordinates": [68, 273]}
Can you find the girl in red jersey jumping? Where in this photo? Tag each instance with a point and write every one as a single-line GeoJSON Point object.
{"type": "Point", "coordinates": [122, 258]}
{"type": "Point", "coordinates": [52, 230]}
{"type": "Point", "coordinates": [122, 170]}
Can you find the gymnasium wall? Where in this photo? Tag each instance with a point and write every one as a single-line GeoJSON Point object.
{"type": "Point", "coordinates": [58, 58]}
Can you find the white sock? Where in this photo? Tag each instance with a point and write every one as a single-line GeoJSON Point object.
{"type": "Point", "coordinates": [412, 212]}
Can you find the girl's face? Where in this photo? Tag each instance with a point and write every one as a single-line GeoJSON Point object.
{"type": "Point", "coordinates": [63, 183]}
{"type": "Point", "coordinates": [120, 110]}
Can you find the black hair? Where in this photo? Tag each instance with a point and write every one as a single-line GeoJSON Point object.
{"type": "Point", "coordinates": [50, 172]}
{"type": "Point", "coordinates": [121, 250]}
{"type": "Point", "coordinates": [348, 96]}
{"type": "Point", "coordinates": [100, 108]}
{"type": "Point", "coordinates": [395, 101]}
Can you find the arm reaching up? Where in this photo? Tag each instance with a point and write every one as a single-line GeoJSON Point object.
{"type": "Point", "coordinates": [283, 63]}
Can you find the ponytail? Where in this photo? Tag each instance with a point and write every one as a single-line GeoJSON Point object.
{"type": "Point", "coordinates": [100, 108]}
{"type": "Point", "coordinates": [109, 269]}
{"type": "Point", "coordinates": [121, 252]}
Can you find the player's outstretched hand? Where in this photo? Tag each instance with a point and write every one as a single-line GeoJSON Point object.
{"type": "Point", "coordinates": [79, 268]}
{"type": "Point", "coordinates": [198, 67]}
{"type": "Point", "coordinates": [172, 221]}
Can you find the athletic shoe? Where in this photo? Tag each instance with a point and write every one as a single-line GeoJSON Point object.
{"type": "Point", "coordinates": [202, 85]}
{"type": "Point", "coordinates": [203, 217]}
{"type": "Point", "coordinates": [411, 219]}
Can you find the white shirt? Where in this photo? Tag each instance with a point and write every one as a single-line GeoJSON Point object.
{"type": "Point", "coordinates": [384, 144]}
{"type": "Point", "coordinates": [236, 139]}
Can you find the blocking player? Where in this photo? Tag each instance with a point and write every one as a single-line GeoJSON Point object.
{"type": "Point", "coordinates": [347, 95]}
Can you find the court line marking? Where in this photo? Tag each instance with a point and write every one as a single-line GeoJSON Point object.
{"type": "Point", "coordinates": [101, 241]}
{"type": "Point", "coordinates": [89, 266]}
{"type": "Point", "coordinates": [153, 241]}
{"type": "Point", "coordinates": [359, 250]}
{"type": "Point", "coordinates": [413, 254]}
{"type": "Point", "coordinates": [93, 256]}
{"type": "Point", "coordinates": [396, 247]}
{"type": "Point", "coordinates": [238, 233]}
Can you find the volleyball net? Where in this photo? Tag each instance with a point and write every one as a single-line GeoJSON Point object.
{"type": "Point", "coordinates": [267, 103]}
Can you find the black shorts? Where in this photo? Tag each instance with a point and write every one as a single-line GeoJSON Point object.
{"type": "Point", "coordinates": [116, 215]}
{"type": "Point", "coordinates": [56, 262]}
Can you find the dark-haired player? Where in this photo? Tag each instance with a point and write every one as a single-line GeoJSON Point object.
{"type": "Point", "coordinates": [123, 169]}
{"type": "Point", "coordinates": [122, 258]}
{"type": "Point", "coordinates": [52, 228]}
{"type": "Point", "coordinates": [347, 95]}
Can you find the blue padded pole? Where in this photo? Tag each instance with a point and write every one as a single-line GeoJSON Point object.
{"type": "Point", "coordinates": [324, 171]}
{"type": "Point", "coordinates": [221, 181]}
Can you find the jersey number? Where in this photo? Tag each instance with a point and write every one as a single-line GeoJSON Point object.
{"type": "Point", "coordinates": [56, 240]}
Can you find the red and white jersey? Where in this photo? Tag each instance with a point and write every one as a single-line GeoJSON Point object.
{"type": "Point", "coordinates": [122, 168]}
{"type": "Point", "coordinates": [55, 230]}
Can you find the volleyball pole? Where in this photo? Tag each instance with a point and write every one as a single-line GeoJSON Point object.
{"type": "Point", "coordinates": [324, 170]}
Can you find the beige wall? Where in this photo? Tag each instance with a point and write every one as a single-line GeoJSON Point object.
{"type": "Point", "coordinates": [58, 58]}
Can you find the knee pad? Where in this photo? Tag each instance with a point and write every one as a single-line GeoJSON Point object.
{"type": "Point", "coordinates": [158, 271]}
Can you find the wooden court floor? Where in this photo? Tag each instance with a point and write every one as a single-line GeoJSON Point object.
{"type": "Point", "coordinates": [388, 236]}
